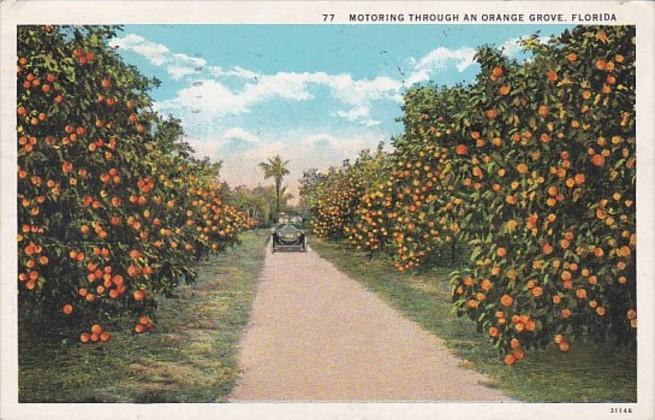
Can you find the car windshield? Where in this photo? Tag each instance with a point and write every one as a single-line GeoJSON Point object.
{"type": "Point", "coordinates": [286, 219]}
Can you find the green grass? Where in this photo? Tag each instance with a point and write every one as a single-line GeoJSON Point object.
{"type": "Point", "coordinates": [590, 372]}
{"type": "Point", "coordinates": [189, 357]}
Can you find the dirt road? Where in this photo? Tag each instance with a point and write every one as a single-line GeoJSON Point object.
{"type": "Point", "coordinates": [316, 334]}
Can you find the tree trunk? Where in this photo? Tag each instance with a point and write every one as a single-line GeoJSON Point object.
{"type": "Point", "coordinates": [277, 196]}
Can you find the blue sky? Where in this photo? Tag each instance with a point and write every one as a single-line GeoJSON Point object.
{"type": "Point", "coordinates": [315, 94]}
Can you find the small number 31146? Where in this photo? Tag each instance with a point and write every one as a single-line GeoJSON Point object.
{"type": "Point", "coordinates": [620, 410]}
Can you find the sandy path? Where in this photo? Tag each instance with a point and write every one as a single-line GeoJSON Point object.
{"type": "Point", "coordinates": [316, 334]}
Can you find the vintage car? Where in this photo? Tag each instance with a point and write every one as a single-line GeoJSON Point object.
{"type": "Point", "coordinates": [288, 234]}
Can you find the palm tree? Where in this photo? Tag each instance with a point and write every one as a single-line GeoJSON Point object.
{"type": "Point", "coordinates": [277, 169]}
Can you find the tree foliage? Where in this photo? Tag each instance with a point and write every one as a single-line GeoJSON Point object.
{"type": "Point", "coordinates": [531, 169]}
{"type": "Point", "coordinates": [112, 207]}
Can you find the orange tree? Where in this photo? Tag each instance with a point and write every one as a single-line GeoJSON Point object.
{"type": "Point", "coordinates": [112, 208]}
{"type": "Point", "coordinates": [423, 233]}
{"type": "Point", "coordinates": [544, 153]}
{"type": "Point", "coordinates": [402, 209]}
{"type": "Point", "coordinates": [532, 169]}
{"type": "Point", "coordinates": [369, 228]}
{"type": "Point", "coordinates": [334, 196]}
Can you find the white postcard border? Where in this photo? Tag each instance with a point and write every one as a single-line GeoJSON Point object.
{"type": "Point", "coordinates": [12, 13]}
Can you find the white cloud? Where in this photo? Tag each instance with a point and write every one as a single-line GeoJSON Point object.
{"type": "Point", "coordinates": [439, 59]}
{"type": "Point", "coordinates": [216, 70]}
{"type": "Point", "coordinates": [157, 54]}
{"type": "Point", "coordinates": [216, 99]}
{"type": "Point", "coordinates": [177, 65]}
{"type": "Point", "coordinates": [284, 85]}
{"type": "Point", "coordinates": [355, 91]}
{"type": "Point", "coordinates": [205, 147]}
{"type": "Point", "coordinates": [178, 72]}
{"type": "Point", "coordinates": [188, 60]}
{"type": "Point", "coordinates": [361, 114]}
{"type": "Point", "coordinates": [360, 94]}
{"type": "Point", "coordinates": [237, 72]}
{"type": "Point", "coordinates": [369, 122]}
{"type": "Point", "coordinates": [208, 96]}
{"type": "Point", "coordinates": [240, 133]}
{"type": "Point", "coordinates": [355, 113]}
{"type": "Point", "coordinates": [219, 147]}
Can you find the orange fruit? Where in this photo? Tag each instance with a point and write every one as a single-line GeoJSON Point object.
{"type": "Point", "coordinates": [564, 346]}
{"type": "Point", "coordinates": [117, 280]}
{"type": "Point", "coordinates": [551, 75]}
{"type": "Point", "coordinates": [601, 64]}
{"type": "Point", "coordinates": [530, 325]}
{"type": "Point", "coordinates": [506, 300]}
{"type": "Point", "coordinates": [138, 295]}
{"type": "Point", "coordinates": [509, 359]}
{"type": "Point", "coordinates": [579, 179]}
{"type": "Point", "coordinates": [486, 285]}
